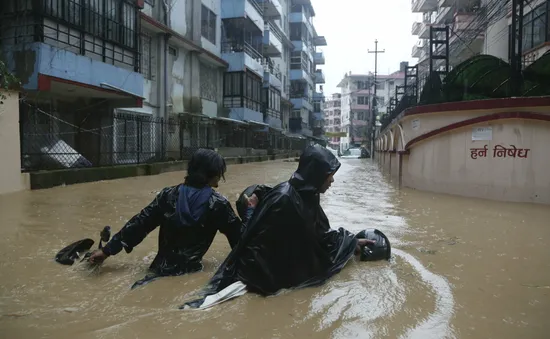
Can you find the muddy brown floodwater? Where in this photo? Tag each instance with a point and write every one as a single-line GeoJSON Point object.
{"type": "Point", "coordinates": [462, 268]}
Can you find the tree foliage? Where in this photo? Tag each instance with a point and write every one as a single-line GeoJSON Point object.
{"type": "Point", "coordinates": [7, 80]}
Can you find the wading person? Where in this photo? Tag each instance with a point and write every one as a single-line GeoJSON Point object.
{"type": "Point", "coordinates": [288, 241]}
{"type": "Point", "coordinates": [189, 216]}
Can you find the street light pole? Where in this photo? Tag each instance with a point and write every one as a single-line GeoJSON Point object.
{"type": "Point", "coordinates": [374, 100]}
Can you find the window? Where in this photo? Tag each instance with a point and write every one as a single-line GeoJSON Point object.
{"type": "Point", "coordinates": [362, 101]}
{"type": "Point", "coordinates": [535, 27]}
{"type": "Point", "coordinates": [208, 83]}
{"type": "Point", "coordinates": [232, 84]}
{"type": "Point", "coordinates": [272, 102]}
{"type": "Point", "coordinates": [380, 85]}
{"type": "Point", "coordinates": [244, 87]}
{"type": "Point", "coordinates": [208, 24]}
{"type": "Point", "coordinates": [380, 101]}
{"type": "Point", "coordinates": [117, 16]}
{"type": "Point", "coordinates": [147, 67]}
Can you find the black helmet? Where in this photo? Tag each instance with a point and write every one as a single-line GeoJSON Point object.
{"type": "Point", "coordinates": [242, 204]}
{"type": "Point", "coordinates": [380, 250]}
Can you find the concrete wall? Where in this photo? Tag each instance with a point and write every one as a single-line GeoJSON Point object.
{"type": "Point", "coordinates": [11, 178]}
{"type": "Point", "coordinates": [436, 151]}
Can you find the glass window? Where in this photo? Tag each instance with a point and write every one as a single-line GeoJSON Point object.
{"type": "Point", "coordinates": [208, 24]}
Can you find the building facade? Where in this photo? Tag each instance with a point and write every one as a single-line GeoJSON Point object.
{"type": "Point", "coordinates": [306, 78]}
{"type": "Point", "coordinates": [150, 77]}
{"type": "Point", "coordinates": [77, 61]}
{"type": "Point", "coordinates": [333, 120]}
{"type": "Point", "coordinates": [479, 27]}
{"type": "Point", "coordinates": [356, 93]}
{"type": "Point", "coordinates": [356, 100]}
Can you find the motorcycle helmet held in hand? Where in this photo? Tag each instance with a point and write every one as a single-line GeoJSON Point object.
{"type": "Point", "coordinates": [242, 203]}
{"type": "Point", "coordinates": [380, 250]}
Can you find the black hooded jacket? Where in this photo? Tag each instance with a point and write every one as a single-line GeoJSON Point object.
{"type": "Point", "coordinates": [288, 242]}
{"type": "Point", "coordinates": [189, 219]}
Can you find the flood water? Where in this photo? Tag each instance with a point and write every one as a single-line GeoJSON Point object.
{"type": "Point", "coordinates": [462, 268]}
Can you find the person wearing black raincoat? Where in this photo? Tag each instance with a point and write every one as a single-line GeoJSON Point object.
{"type": "Point", "coordinates": [189, 216]}
{"type": "Point", "coordinates": [288, 242]}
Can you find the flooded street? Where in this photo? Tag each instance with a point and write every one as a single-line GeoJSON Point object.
{"type": "Point", "coordinates": [462, 268]}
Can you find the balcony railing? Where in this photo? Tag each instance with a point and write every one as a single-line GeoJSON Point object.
{"type": "Point", "coordinates": [235, 47]}
{"type": "Point", "coordinates": [268, 67]}
{"type": "Point", "coordinates": [257, 6]}
{"type": "Point", "coordinates": [275, 30]}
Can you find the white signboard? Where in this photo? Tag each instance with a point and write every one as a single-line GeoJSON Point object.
{"type": "Point", "coordinates": [415, 124]}
{"type": "Point", "coordinates": [482, 133]}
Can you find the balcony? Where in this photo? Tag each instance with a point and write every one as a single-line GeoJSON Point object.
{"type": "Point", "coordinates": [416, 26]}
{"type": "Point", "coordinates": [419, 49]}
{"type": "Point", "coordinates": [301, 101]}
{"type": "Point", "coordinates": [249, 9]}
{"type": "Point", "coordinates": [304, 47]}
{"type": "Point", "coordinates": [319, 58]}
{"type": "Point", "coordinates": [461, 51]}
{"type": "Point", "coordinates": [320, 41]}
{"type": "Point", "coordinates": [360, 107]}
{"type": "Point", "coordinates": [318, 96]}
{"type": "Point", "coordinates": [300, 75]}
{"type": "Point", "coordinates": [241, 57]}
{"type": "Point", "coordinates": [444, 16]}
{"type": "Point", "coordinates": [423, 6]}
{"type": "Point", "coordinates": [273, 46]}
{"type": "Point", "coordinates": [272, 76]}
{"type": "Point", "coordinates": [424, 32]}
{"type": "Point", "coordinates": [300, 17]}
{"type": "Point", "coordinates": [319, 77]}
{"type": "Point", "coordinates": [272, 8]}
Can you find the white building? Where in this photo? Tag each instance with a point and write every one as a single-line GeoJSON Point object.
{"type": "Point", "coordinates": [332, 112]}
{"type": "Point", "coordinates": [355, 101]}
{"type": "Point", "coordinates": [478, 27]}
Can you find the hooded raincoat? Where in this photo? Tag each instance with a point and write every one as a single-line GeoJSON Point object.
{"type": "Point", "coordinates": [288, 242]}
{"type": "Point", "coordinates": [188, 219]}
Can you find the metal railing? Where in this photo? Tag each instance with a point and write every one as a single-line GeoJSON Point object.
{"type": "Point", "coordinates": [257, 6]}
{"type": "Point", "coordinates": [268, 67]}
{"type": "Point", "coordinates": [128, 138]}
{"type": "Point", "coordinates": [240, 47]}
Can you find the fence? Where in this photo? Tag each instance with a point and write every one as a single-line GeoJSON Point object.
{"type": "Point", "coordinates": [50, 141]}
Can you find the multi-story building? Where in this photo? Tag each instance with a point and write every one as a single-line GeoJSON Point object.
{"type": "Point", "coordinates": [465, 38]}
{"type": "Point", "coordinates": [182, 67]}
{"type": "Point", "coordinates": [306, 116]}
{"type": "Point", "coordinates": [356, 91]}
{"type": "Point", "coordinates": [357, 94]}
{"type": "Point", "coordinates": [479, 27]}
{"type": "Point", "coordinates": [77, 62]}
{"type": "Point", "coordinates": [386, 88]}
{"type": "Point", "coordinates": [332, 117]}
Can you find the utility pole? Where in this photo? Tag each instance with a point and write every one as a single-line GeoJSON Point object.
{"type": "Point", "coordinates": [374, 101]}
{"type": "Point", "coordinates": [516, 42]}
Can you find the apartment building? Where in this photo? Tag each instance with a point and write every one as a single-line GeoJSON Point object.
{"type": "Point", "coordinates": [479, 27]}
{"type": "Point", "coordinates": [77, 61]}
{"type": "Point", "coordinates": [333, 119]}
{"type": "Point", "coordinates": [305, 76]}
{"type": "Point", "coordinates": [356, 92]}
{"type": "Point", "coordinates": [356, 98]}
{"type": "Point", "coordinates": [386, 88]}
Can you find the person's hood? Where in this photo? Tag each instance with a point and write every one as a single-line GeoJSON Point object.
{"type": "Point", "coordinates": [192, 203]}
{"type": "Point", "coordinates": [316, 164]}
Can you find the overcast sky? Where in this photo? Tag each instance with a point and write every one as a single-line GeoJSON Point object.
{"type": "Point", "coordinates": [351, 26]}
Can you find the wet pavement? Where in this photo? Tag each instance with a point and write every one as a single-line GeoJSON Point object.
{"type": "Point", "coordinates": [462, 268]}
